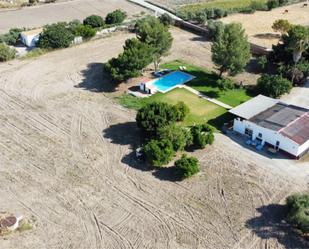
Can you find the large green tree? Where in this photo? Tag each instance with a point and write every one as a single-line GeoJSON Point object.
{"type": "Point", "coordinates": [273, 85]}
{"type": "Point", "coordinates": [231, 49]}
{"type": "Point", "coordinates": [187, 166]}
{"type": "Point", "coordinates": [179, 136]}
{"type": "Point", "coordinates": [135, 57]}
{"type": "Point", "coordinates": [154, 116]}
{"type": "Point", "coordinates": [55, 36]}
{"type": "Point", "coordinates": [154, 33]}
{"type": "Point", "coordinates": [159, 152]}
{"type": "Point", "coordinates": [202, 135]}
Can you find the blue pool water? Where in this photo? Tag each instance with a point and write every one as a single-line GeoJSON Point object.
{"type": "Point", "coordinates": [170, 80]}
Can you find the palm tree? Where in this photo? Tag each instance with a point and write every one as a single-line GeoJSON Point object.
{"type": "Point", "coordinates": [298, 48]}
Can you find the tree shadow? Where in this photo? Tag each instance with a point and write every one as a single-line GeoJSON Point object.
{"type": "Point", "coordinates": [253, 67]}
{"type": "Point", "coordinates": [268, 36]}
{"type": "Point", "coordinates": [95, 79]}
{"type": "Point", "coordinates": [171, 174]}
{"type": "Point", "coordinates": [271, 224]}
{"type": "Point", "coordinates": [131, 160]}
{"type": "Point", "coordinates": [123, 134]}
{"type": "Point", "coordinates": [219, 121]}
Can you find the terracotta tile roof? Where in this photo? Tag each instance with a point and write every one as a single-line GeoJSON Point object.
{"type": "Point", "coordinates": [298, 130]}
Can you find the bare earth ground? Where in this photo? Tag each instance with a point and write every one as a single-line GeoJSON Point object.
{"type": "Point", "coordinates": [258, 25]}
{"type": "Point", "coordinates": [62, 11]}
{"type": "Point", "coordinates": [67, 163]}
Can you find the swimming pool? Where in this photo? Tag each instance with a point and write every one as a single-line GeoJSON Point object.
{"type": "Point", "coordinates": [169, 81]}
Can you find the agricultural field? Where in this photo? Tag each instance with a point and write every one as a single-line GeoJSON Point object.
{"type": "Point", "coordinates": [201, 4]}
{"type": "Point", "coordinates": [262, 34]}
{"type": "Point", "coordinates": [62, 11]}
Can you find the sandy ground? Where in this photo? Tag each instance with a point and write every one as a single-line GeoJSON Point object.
{"type": "Point", "coordinates": [298, 96]}
{"type": "Point", "coordinates": [62, 11]}
{"type": "Point", "coordinates": [67, 163]}
{"type": "Point", "coordinates": [258, 25]}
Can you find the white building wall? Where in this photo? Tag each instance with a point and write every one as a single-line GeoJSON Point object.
{"type": "Point", "coordinates": [303, 148]}
{"type": "Point", "coordinates": [268, 136]}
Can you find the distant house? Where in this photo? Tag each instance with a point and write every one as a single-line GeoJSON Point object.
{"type": "Point", "coordinates": [268, 121]}
{"type": "Point", "coordinates": [31, 37]}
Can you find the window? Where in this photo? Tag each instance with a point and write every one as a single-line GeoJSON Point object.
{"type": "Point", "coordinates": [248, 132]}
{"type": "Point", "coordinates": [277, 143]}
{"type": "Point", "coordinates": [260, 135]}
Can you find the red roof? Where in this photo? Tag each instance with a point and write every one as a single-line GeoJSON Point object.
{"type": "Point", "coordinates": [298, 130]}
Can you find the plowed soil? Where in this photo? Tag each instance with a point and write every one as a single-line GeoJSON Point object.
{"type": "Point", "coordinates": [67, 163]}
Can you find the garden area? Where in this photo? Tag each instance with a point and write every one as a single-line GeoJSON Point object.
{"type": "Point", "coordinates": [206, 82]}
{"type": "Point", "coordinates": [201, 110]}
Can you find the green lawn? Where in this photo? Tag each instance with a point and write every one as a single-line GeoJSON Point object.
{"type": "Point", "coordinates": [205, 82]}
{"type": "Point", "coordinates": [201, 110]}
{"type": "Point", "coordinates": [223, 4]}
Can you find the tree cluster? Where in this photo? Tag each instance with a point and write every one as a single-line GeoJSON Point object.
{"type": "Point", "coordinates": [273, 85]}
{"type": "Point", "coordinates": [164, 136]}
{"type": "Point", "coordinates": [153, 40]}
{"type": "Point", "coordinates": [298, 211]}
{"type": "Point", "coordinates": [6, 53]}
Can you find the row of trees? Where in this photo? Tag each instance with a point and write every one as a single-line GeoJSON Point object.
{"type": "Point", "coordinates": [153, 40]}
{"type": "Point", "coordinates": [201, 15]}
{"type": "Point", "coordinates": [61, 35]}
{"type": "Point", "coordinates": [164, 136]}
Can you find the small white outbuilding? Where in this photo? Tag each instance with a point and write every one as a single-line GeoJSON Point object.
{"type": "Point", "coordinates": [30, 37]}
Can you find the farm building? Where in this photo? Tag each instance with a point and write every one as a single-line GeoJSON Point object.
{"type": "Point", "coordinates": [268, 121]}
{"type": "Point", "coordinates": [31, 37]}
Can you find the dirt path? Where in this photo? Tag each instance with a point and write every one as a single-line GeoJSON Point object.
{"type": "Point", "coordinates": [67, 161]}
{"type": "Point", "coordinates": [62, 11]}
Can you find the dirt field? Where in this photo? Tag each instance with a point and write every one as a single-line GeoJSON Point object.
{"type": "Point", "coordinates": [62, 11]}
{"type": "Point", "coordinates": [67, 163]}
{"type": "Point", "coordinates": [258, 25]}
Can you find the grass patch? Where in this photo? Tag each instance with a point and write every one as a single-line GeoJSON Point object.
{"type": "Point", "coordinates": [206, 83]}
{"type": "Point", "coordinates": [36, 52]}
{"type": "Point", "coordinates": [201, 110]}
{"type": "Point", "coordinates": [222, 4]}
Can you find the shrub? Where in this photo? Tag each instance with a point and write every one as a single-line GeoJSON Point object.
{"type": "Point", "coordinates": [55, 36]}
{"type": "Point", "coordinates": [271, 4]}
{"type": "Point", "coordinates": [159, 153]}
{"type": "Point", "coordinates": [273, 85]}
{"type": "Point", "coordinates": [94, 21]}
{"type": "Point", "coordinates": [73, 25]}
{"type": "Point", "coordinates": [201, 17]}
{"type": "Point", "coordinates": [202, 135]}
{"type": "Point", "coordinates": [115, 17]}
{"type": "Point", "coordinates": [298, 211]}
{"type": "Point", "coordinates": [215, 28]}
{"type": "Point", "coordinates": [225, 84]}
{"type": "Point", "coordinates": [257, 5]}
{"type": "Point", "coordinates": [166, 19]}
{"type": "Point", "coordinates": [295, 74]}
{"type": "Point", "coordinates": [12, 37]}
{"type": "Point", "coordinates": [154, 116]}
{"type": "Point", "coordinates": [179, 136]}
{"type": "Point", "coordinates": [85, 31]}
{"type": "Point", "coordinates": [262, 62]}
{"type": "Point", "coordinates": [181, 110]}
{"type": "Point", "coordinates": [187, 166]}
{"type": "Point", "coordinates": [282, 26]}
{"type": "Point", "coordinates": [6, 53]}
{"type": "Point", "coordinates": [219, 13]}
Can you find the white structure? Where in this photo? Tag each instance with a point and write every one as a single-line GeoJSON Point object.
{"type": "Point", "coordinates": [269, 121]}
{"type": "Point", "coordinates": [31, 37]}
